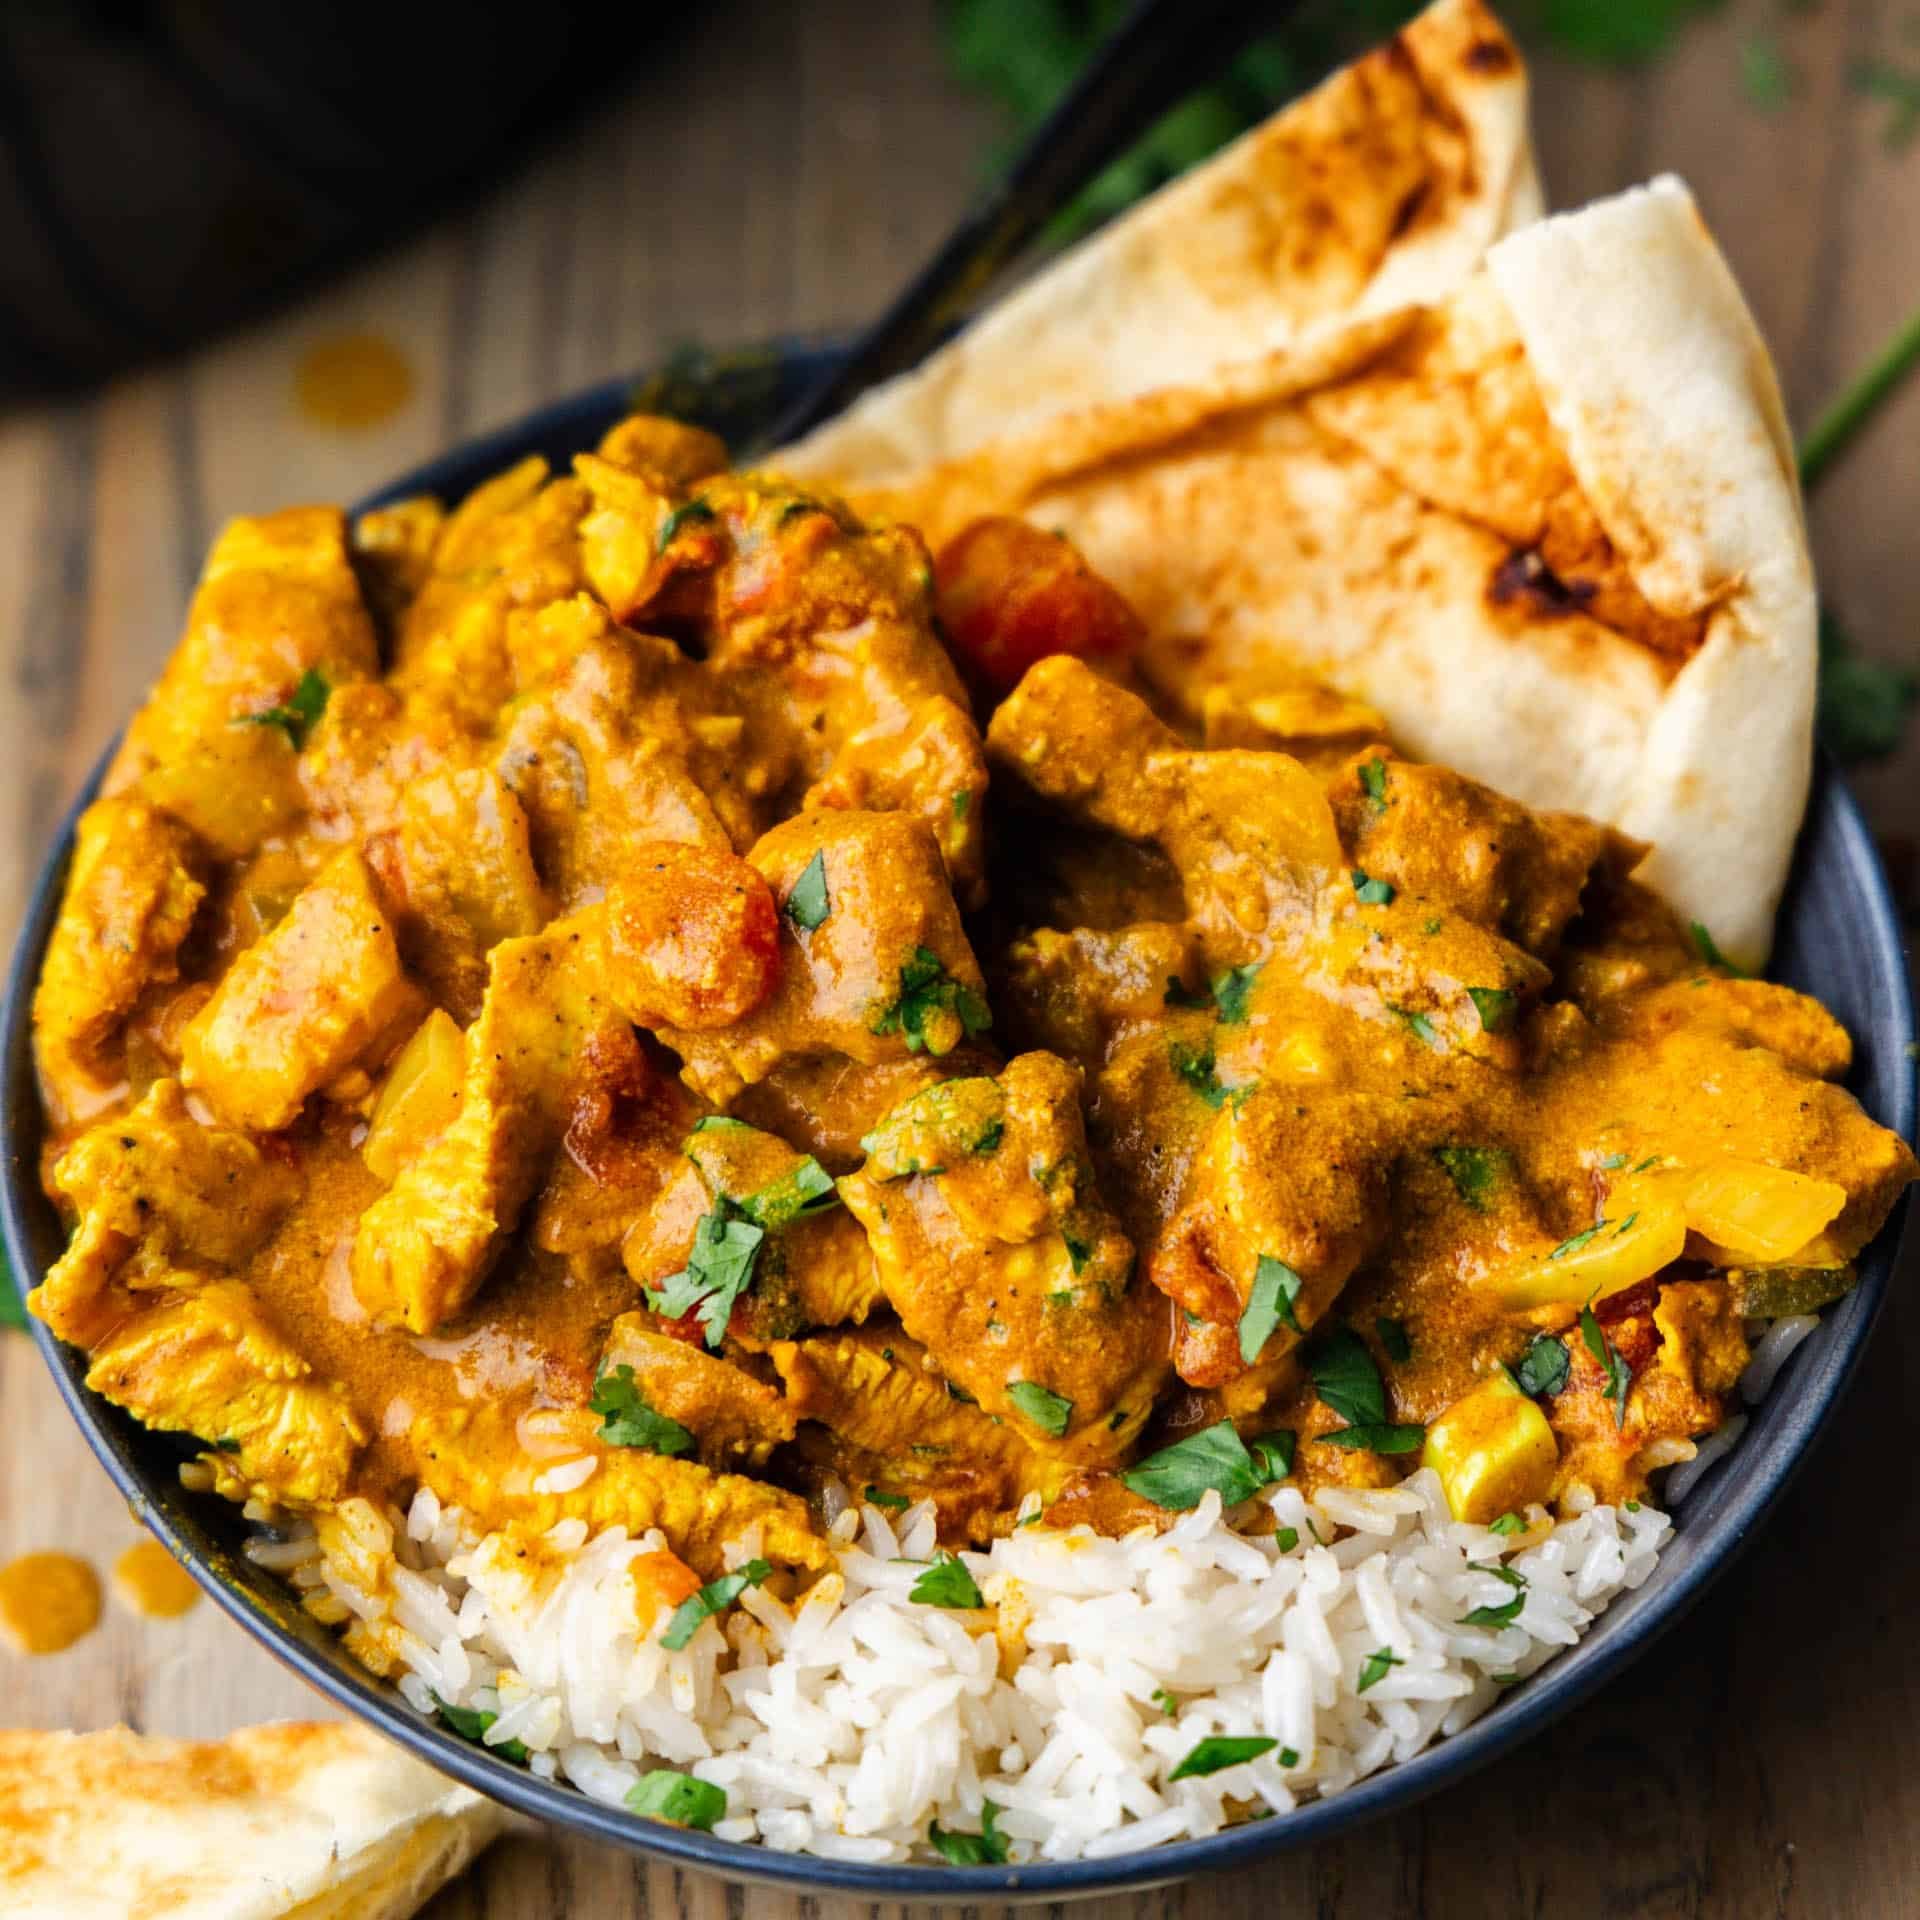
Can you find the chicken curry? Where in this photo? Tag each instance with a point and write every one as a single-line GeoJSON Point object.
{"type": "Point", "coordinates": [644, 999]}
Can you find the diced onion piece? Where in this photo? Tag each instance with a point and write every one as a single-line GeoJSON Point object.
{"type": "Point", "coordinates": [1644, 1232]}
{"type": "Point", "coordinates": [420, 1097]}
{"type": "Point", "coordinates": [1760, 1212]}
{"type": "Point", "coordinates": [1493, 1451]}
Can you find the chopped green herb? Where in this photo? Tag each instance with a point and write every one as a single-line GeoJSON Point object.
{"type": "Point", "coordinates": [1345, 1377]}
{"type": "Point", "coordinates": [1393, 1336]}
{"type": "Point", "coordinates": [1273, 1453]}
{"type": "Point", "coordinates": [1288, 1757]}
{"type": "Point", "coordinates": [719, 1270]}
{"type": "Point", "coordinates": [1633, 1506]}
{"type": "Point", "coordinates": [1544, 1367]}
{"type": "Point", "coordinates": [1432, 925]}
{"type": "Point", "coordinates": [1374, 1668]}
{"type": "Point", "coordinates": [677, 1798]}
{"type": "Point", "coordinates": [1618, 1375]}
{"type": "Point", "coordinates": [1048, 1411]}
{"type": "Point", "coordinates": [1419, 1026]}
{"type": "Point", "coordinates": [1286, 1538]}
{"type": "Point", "coordinates": [471, 1723]}
{"type": "Point", "coordinates": [1474, 1171]}
{"type": "Point", "coordinates": [809, 1189]}
{"type": "Point", "coordinates": [1509, 1523]}
{"type": "Point", "coordinates": [227, 1445]}
{"type": "Point", "coordinates": [1220, 1750]}
{"type": "Point", "coordinates": [629, 1421]}
{"type": "Point", "coordinates": [1508, 1611]}
{"type": "Point", "coordinates": [1652, 1160]}
{"type": "Point", "coordinates": [1576, 1242]}
{"type": "Point", "coordinates": [987, 1848]}
{"type": "Point", "coordinates": [1376, 1437]}
{"type": "Point", "coordinates": [1230, 991]}
{"type": "Point", "coordinates": [300, 712]}
{"type": "Point", "coordinates": [1504, 1679]}
{"type": "Point", "coordinates": [962, 803]}
{"type": "Point", "coordinates": [807, 902]}
{"type": "Point", "coordinates": [1179, 994]}
{"type": "Point", "coordinates": [1214, 1460]}
{"type": "Point", "coordinates": [989, 1138]}
{"type": "Point", "coordinates": [880, 1497]}
{"type": "Point", "coordinates": [930, 1005]}
{"type": "Point", "coordinates": [947, 1583]}
{"type": "Point", "coordinates": [1710, 953]}
{"type": "Point", "coordinates": [1270, 1304]}
{"type": "Point", "coordinates": [1495, 1007]}
{"type": "Point", "coordinates": [721, 1123]}
{"type": "Point", "coordinates": [715, 1597]}
{"type": "Point", "coordinates": [1195, 1067]}
{"type": "Point", "coordinates": [1626, 1223]}
{"type": "Point", "coordinates": [1370, 892]}
{"type": "Point", "coordinates": [1373, 777]}
{"type": "Point", "coordinates": [1165, 1702]}
{"type": "Point", "coordinates": [695, 513]}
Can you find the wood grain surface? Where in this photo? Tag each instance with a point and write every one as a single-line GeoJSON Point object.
{"type": "Point", "coordinates": [782, 169]}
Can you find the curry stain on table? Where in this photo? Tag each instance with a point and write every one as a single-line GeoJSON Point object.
{"type": "Point", "coordinates": [1765, 1758]}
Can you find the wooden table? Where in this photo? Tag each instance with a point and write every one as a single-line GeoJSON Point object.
{"type": "Point", "coordinates": [1764, 1759]}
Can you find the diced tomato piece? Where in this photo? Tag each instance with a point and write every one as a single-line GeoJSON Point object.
{"type": "Point", "coordinates": [1010, 594]}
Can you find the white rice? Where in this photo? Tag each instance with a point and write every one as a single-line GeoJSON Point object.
{"type": "Point", "coordinates": [844, 1724]}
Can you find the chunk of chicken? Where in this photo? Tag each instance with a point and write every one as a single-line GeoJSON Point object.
{"type": "Point", "coordinates": [205, 1360]}
{"type": "Point", "coordinates": [278, 599]}
{"type": "Point", "coordinates": [155, 1181]}
{"type": "Point", "coordinates": [884, 974]}
{"type": "Point", "coordinates": [735, 1418]}
{"type": "Point", "coordinates": [138, 879]}
{"type": "Point", "coordinates": [999, 1256]}
{"type": "Point", "coordinates": [791, 594]}
{"type": "Point", "coordinates": [302, 1005]}
{"type": "Point", "coordinates": [467, 861]}
{"type": "Point", "coordinates": [422, 1249]}
{"type": "Point", "coordinates": [393, 550]}
{"type": "Point", "coordinates": [472, 1459]}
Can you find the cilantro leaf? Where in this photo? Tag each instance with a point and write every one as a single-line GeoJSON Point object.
{"type": "Point", "coordinates": [298, 714]}
{"type": "Point", "coordinates": [719, 1270]}
{"type": "Point", "coordinates": [1273, 1453]}
{"type": "Point", "coordinates": [1543, 1368]}
{"type": "Point", "coordinates": [893, 1502]}
{"type": "Point", "coordinates": [1221, 1750]}
{"type": "Point", "coordinates": [1165, 1701]}
{"type": "Point", "coordinates": [1050, 1412]}
{"type": "Point", "coordinates": [1230, 991]}
{"type": "Point", "coordinates": [1393, 1336]}
{"type": "Point", "coordinates": [932, 1010]}
{"type": "Point", "coordinates": [1376, 1437]}
{"type": "Point", "coordinates": [629, 1421]}
{"type": "Point", "coordinates": [1495, 1007]}
{"type": "Point", "coordinates": [1575, 1242]}
{"type": "Point", "coordinates": [694, 513]}
{"type": "Point", "coordinates": [471, 1723]}
{"type": "Point", "coordinates": [1618, 1375]}
{"type": "Point", "coordinates": [1345, 1377]}
{"type": "Point", "coordinates": [714, 1597]}
{"type": "Point", "coordinates": [1270, 1304]}
{"type": "Point", "coordinates": [1373, 777]}
{"type": "Point", "coordinates": [1508, 1611]}
{"type": "Point", "coordinates": [1374, 1668]}
{"type": "Point", "coordinates": [807, 903]}
{"type": "Point", "coordinates": [1419, 1026]}
{"type": "Point", "coordinates": [807, 1190]}
{"type": "Point", "coordinates": [677, 1798]}
{"type": "Point", "coordinates": [1370, 892]}
{"type": "Point", "coordinates": [987, 1848]}
{"type": "Point", "coordinates": [1214, 1460]}
{"type": "Point", "coordinates": [1195, 1067]}
{"type": "Point", "coordinates": [1474, 1171]}
{"type": "Point", "coordinates": [946, 1582]}
{"type": "Point", "coordinates": [1286, 1538]}
{"type": "Point", "coordinates": [1710, 952]}
{"type": "Point", "coordinates": [1508, 1523]}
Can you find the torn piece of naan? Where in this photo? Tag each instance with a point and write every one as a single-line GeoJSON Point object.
{"type": "Point", "coordinates": [296, 1821]}
{"type": "Point", "coordinates": [1546, 521]}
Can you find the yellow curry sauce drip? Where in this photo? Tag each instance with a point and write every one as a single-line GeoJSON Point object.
{"type": "Point", "coordinates": [352, 381]}
{"type": "Point", "coordinates": [150, 1582]}
{"type": "Point", "coordinates": [47, 1602]}
{"type": "Point", "coordinates": [585, 1004]}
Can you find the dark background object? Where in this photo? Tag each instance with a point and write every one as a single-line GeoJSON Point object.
{"type": "Point", "coordinates": [169, 169]}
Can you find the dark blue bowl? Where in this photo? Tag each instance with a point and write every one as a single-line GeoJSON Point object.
{"type": "Point", "coordinates": [1839, 938]}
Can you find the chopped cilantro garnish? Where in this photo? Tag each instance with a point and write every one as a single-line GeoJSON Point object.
{"type": "Point", "coordinates": [1374, 1668]}
{"type": "Point", "coordinates": [1165, 1701]}
{"type": "Point", "coordinates": [1507, 1611]}
{"type": "Point", "coordinates": [807, 1190]}
{"type": "Point", "coordinates": [880, 1497]}
{"type": "Point", "coordinates": [298, 714]}
{"type": "Point", "coordinates": [932, 1009]}
{"type": "Point", "coordinates": [471, 1723]}
{"type": "Point", "coordinates": [1373, 777]}
{"type": "Point", "coordinates": [1273, 1453]}
{"type": "Point", "coordinates": [807, 902]}
{"type": "Point", "coordinates": [1195, 1067]}
{"type": "Point", "coordinates": [1509, 1523]}
{"type": "Point", "coordinates": [1576, 1241]}
{"type": "Point", "coordinates": [1230, 991]}
{"type": "Point", "coordinates": [1618, 1375]}
{"type": "Point", "coordinates": [1370, 892]}
{"type": "Point", "coordinates": [1286, 1538]}
{"type": "Point", "coordinates": [1710, 952]}
{"type": "Point", "coordinates": [714, 1597]}
{"type": "Point", "coordinates": [629, 1421]}
{"type": "Point", "coordinates": [1495, 1007]}
{"type": "Point", "coordinates": [1220, 1750]}
{"type": "Point", "coordinates": [1613, 1163]}
{"type": "Point", "coordinates": [1050, 1412]}
{"type": "Point", "coordinates": [695, 513]}
{"type": "Point", "coordinates": [1474, 1171]}
{"type": "Point", "coordinates": [962, 803]}
{"type": "Point", "coordinates": [719, 1269]}
{"type": "Point", "coordinates": [1214, 1460]}
{"type": "Point", "coordinates": [677, 1798]}
{"type": "Point", "coordinates": [1380, 1436]}
{"type": "Point", "coordinates": [1270, 1304]}
{"type": "Point", "coordinates": [947, 1583]}
{"type": "Point", "coordinates": [1543, 1367]}
{"type": "Point", "coordinates": [1347, 1380]}
{"type": "Point", "coordinates": [987, 1848]}
{"type": "Point", "coordinates": [1419, 1026]}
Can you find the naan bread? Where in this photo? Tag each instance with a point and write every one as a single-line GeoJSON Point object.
{"type": "Point", "coordinates": [1546, 520]}
{"type": "Point", "coordinates": [300, 1821]}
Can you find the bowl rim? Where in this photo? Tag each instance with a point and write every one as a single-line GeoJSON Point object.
{"type": "Point", "coordinates": [1828, 1361]}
